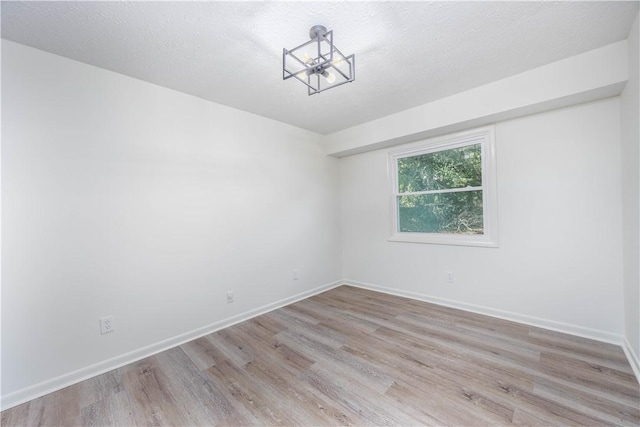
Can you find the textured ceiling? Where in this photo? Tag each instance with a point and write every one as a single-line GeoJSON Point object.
{"type": "Point", "coordinates": [407, 53]}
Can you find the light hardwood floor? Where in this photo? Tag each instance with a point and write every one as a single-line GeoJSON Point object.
{"type": "Point", "coordinates": [352, 356]}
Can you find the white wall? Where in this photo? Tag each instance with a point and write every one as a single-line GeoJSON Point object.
{"type": "Point", "coordinates": [128, 199]}
{"type": "Point", "coordinates": [559, 261]}
{"type": "Point", "coordinates": [630, 137]}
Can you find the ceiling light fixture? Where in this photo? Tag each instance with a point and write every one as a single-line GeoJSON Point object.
{"type": "Point", "coordinates": [318, 63]}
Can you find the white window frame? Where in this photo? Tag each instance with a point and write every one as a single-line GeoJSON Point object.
{"type": "Point", "coordinates": [486, 138]}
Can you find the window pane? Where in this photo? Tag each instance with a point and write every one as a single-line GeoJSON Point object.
{"type": "Point", "coordinates": [455, 213]}
{"type": "Point", "coordinates": [454, 168]}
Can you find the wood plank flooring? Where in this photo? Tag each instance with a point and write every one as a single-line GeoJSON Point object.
{"type": "Point", "coordinates": [355, 357]}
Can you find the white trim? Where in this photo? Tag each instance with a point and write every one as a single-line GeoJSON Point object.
{"type": "Point", "coordinates": [484, 136]}
{"type": "Point", "coordinates": [37, 390]}
{"type": "Point", "coordinates": [448, 190]}
{"type": "Point", "coordinates": [444, 239]}
{"type": "Point", "coordinates": [633, 358]}
{"type": "Point", "coordinates": [567, 328]}
{"type": "Point", "coordinates": [54, 384]}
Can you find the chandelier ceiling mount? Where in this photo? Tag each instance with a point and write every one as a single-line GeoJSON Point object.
{"type": "Point", "coordinates": [318, 64]}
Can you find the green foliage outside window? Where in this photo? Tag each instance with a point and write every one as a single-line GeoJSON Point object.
{"type": "Point", "coordinates": [438, 209]}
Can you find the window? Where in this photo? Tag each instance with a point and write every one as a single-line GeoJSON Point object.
{"type": "Point", "coordinates": [444, 191]}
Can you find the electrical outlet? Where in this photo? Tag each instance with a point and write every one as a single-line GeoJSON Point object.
{"type": "Point", "coordinates": [229, 297]}
{"type": "Point", "coordinates": [294, 274]}
{"type": "Point", "coordinates": [107, 325]}
{"type": "Point", "coordinates": [450, 277]}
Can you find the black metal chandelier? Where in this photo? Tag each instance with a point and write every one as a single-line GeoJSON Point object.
{"type": "Point", "coordinates": [318, 63]}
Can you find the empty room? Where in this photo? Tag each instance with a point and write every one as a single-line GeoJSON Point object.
{"type": "Point", "coordinates": [320, 213]}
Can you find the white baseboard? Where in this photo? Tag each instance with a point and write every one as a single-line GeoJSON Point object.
{"type": "Point", "coordinates": [37, 390]}
{"type": "Point", "coordinates": [634, 361]}
{"type": "Point", "coordinates": [54, 384]}
{"type": "Point", "coordinates": [553, 325]}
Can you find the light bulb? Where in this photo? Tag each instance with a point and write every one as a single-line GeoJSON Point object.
{"type": "Point", "coordinates": [307, 59]}
{"type": "Point", "coordinates": [331, 78]}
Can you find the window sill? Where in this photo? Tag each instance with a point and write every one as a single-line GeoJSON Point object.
{"type": "Point", "coordinates": [445, 239]}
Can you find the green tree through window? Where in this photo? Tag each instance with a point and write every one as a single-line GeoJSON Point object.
{"type": "Point", "coordinates": [441, 191]}
{"type": "Point", "coordinates": [444, 190]}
